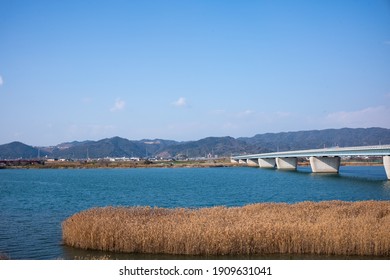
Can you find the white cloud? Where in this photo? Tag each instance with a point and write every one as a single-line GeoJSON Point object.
{"type": "Point", "coordinates": [181, 102]}
{"type": "Point", "coordinates": [118, 105]}
{"type": "Point", "coordinates": [367, 117]}
{"type": "Point", "coordinates": [1, 80]}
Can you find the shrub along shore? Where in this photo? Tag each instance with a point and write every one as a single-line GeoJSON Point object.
{"type": "Point", "coordinates": [331, 227]}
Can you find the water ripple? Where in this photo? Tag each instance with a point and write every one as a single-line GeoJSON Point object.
{"type": "Point", "coordinates": [33, 203]}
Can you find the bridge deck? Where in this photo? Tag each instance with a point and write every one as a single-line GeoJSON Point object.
{"type": "Point", "coordinates": [379, 150]}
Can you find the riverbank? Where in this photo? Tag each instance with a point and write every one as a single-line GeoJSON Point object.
{"type": "Point", "coordinates": [330, 228]}
{"type": "Point", "coordinates": [90, 164]}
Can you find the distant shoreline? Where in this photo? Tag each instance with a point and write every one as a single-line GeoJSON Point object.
{"type": "Point", "coordinates": [92, 164]}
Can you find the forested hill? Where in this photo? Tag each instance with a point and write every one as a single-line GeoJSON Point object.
{"type": "Point", "coordinates": [210, 146]}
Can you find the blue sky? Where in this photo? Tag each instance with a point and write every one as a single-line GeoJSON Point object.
{"type": "Point", "coordinates": [185, 70]}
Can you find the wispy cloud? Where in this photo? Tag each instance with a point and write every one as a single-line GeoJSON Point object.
{"type": "Point", "coordinates": [86, 100]}
{"type": "Point", "coordinates": [118, 105]}
{"type": "Point", "coordinates": [181, 102]}
{"type": "Point", "coordinates": [217, 112]}
{"type": "Point", "coordinates": [282, 114]}
{"type": "Point", "coordinates": [367, 117]}
{"type": "Point", "coordinates": [89, 131]}
{"type": "Point", "coordinates": [1, 80]}
{"type": "Point", "coordinates": [245, 113]}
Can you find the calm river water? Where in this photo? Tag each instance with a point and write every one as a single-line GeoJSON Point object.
{"type": "Point", "coordinates": [33, 203]}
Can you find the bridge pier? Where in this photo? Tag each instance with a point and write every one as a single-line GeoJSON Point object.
{"type": "Point", "coordinates": [325, 164]}
{"type": "Point", "coordinates": [286, 163]}
{"type": "Point", "coordinates": [321, 160]}
{"type": "Point", "coordinates": [252, 162]}
{"type": "Point", "coordinates": [386, 164]}
{"type": "Point", "coordinates": [266, 162]}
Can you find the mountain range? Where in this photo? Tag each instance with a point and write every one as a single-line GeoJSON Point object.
{"type": "Point", "coordinates": [210, 146]}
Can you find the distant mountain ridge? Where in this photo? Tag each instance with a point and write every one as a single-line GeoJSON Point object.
{"type": "Point", "coordinates": [210, 146]}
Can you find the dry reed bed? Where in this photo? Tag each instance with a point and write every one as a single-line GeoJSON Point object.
{"type": "Point", "coordinates": [332, 227]}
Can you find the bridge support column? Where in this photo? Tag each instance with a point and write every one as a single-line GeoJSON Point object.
{"type": "Point", "coordinates": [386, 164]}
{"type": "Point", "coordinates": [286, 163]}
{"type": "Point", "coordinates": [242, 161]}
{"type": "Point", "coordinates": [266, 162]}
{"type": "Point", "coordinates": [325, 164]}
{"type": "Point", "coordinates": [252, 162]}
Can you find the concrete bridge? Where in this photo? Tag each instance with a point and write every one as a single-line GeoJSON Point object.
{"type": "Point", "coordinates": [325, 160]}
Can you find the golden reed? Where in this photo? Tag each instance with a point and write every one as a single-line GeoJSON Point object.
{"type": "Point", "coordinates": [332, 227]}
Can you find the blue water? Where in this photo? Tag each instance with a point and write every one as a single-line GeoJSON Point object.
{"type": "Point", "coordinates": [33, 203]}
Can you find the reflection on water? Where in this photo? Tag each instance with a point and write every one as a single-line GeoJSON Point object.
{"type": "Point", "coordinates": [70, 253]}
{"type": "Point", "coordinates": [386, 184]}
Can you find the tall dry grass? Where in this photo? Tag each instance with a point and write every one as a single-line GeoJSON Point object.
{"type": "Point", "coordinates": [333, 227]}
